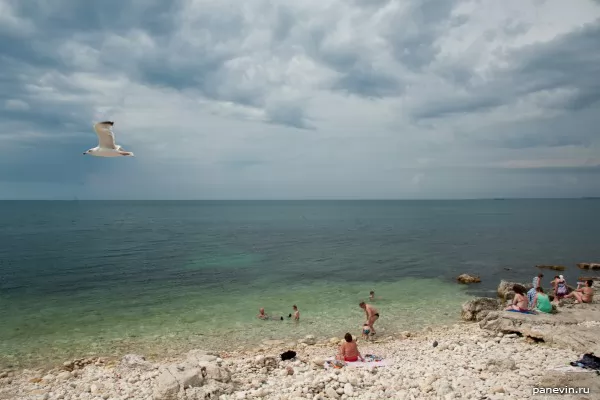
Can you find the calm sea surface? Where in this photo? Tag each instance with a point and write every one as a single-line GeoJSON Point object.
{"type": "Point", "coordinates": [79, 278]}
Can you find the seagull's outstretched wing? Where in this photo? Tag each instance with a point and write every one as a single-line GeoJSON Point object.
{"type": "Point", "coordinates": [106, 136]}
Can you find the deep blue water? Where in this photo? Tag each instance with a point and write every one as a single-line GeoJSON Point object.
{"type": "Point", "coordinates": [81, 272]}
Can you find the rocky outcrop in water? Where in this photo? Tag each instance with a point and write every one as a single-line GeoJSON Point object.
{"type": "Point", "coordinates": [552, 267]}
{"type": "Point", "coordinates": [466, 279]}
{"type": "Point", "coordinates": [593, 266]}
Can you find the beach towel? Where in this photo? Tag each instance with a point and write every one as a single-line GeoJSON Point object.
{"type": "Point", "coordinates": [370, 361]}
{"type": "Point", "coordinates": [570, 369]}
{"type": "Point", "coordinates": [522, 312]}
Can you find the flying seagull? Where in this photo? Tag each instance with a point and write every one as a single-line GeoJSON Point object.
{"type": "Point", "coordinates": [106, 142]}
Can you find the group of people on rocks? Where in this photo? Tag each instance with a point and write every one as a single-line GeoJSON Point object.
{"type": "Point", "coordinates": [537, 300]}
{"type": "Point", "coordinates": [348, 351]}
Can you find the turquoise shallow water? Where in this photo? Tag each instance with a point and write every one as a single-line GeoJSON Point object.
{"type": "Point", "coordinates": [159, 277]}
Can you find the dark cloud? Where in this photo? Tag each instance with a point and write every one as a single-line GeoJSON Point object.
{"type": "Point", "coordinates": [570, 62]}
{"type": "Point", "coordinates": [413, 31]}
{"type": "Point", "coordinates": [368, 82]}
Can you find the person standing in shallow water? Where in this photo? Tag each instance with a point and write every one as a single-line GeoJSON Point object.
{"type": "Point", "coordinates": [296, 315]}
{"type": "Point", "coordinates": [372, 315]}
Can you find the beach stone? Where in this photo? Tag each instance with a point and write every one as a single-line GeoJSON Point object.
{"type": "Point", "coordinates": [63, 376]}
{"type": "Point", "coordinates": [135, 361]}
{"type": "Point", "coordinates": [331, 393]}
{"type": "Point", "coordinates": [309, 340]}
{"type": "Point", "coordinates": [497, 389]}
{"type": "Point", "coordinates": [200, 356]}
{"type": "Point", "coordinates": [273, 342]}
{"type": "Point", "coordinates": [348, 389]}
{"type": "Point", "coordinates": [167, 386]}
{"type": "Point", "coordinates": [477, 309]}
{"type": "Point", "coordinates": [505, 289]}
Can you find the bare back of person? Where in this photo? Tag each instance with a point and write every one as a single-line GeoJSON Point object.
{"type": "Point", "coordinates": [372, 316]}
{"type": "Point", "coordinates": [349, 352]}
{"type": "Point", "coordinates": [588, 294]}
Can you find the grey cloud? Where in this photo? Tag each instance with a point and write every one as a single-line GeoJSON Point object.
{"type": "Point", "coordinates": [413, 32]}
{"type": "Point", "coordinates": [195, 62]}
{"type": "Point", "coordinates": [367, 82]}
{"type": "Point", "coordinates": [575, 129]}
{"type": "Point", "coordinates": [571, 61]}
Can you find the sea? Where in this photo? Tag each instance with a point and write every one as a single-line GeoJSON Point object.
{"type": "Point", "coordinates": [84, 278]}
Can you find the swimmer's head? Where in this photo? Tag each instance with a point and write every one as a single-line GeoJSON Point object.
{"type": "Point", "coordinates": [294, 307]}
{"type": "Point", "coordinates": [261, 310]}
{"type": "Point", "coordinates": [348, 337]}
{"type": "Point", "coordinates": [371, 293]}
{"type": "Point", "coordinates": [361, 304]}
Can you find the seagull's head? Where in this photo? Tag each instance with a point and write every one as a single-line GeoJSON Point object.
{"type": "Point", "coordinates": [89, 151]}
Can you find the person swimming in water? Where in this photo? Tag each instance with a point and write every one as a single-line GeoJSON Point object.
{"type": "Point", "coordinates": [262, 315]}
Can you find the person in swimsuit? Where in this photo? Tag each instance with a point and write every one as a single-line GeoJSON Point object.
{"type": "Point", "coordinates": [349, 350]}
{"type": "Point", "coordinates": [520, 302]}
{"type": "Point", "coordinates": [365, 331]}
{"type": "Point", "coordinates": [537, 282]}
{"type": "Point", "coordinates": [541, 301]}
{"type": "Point", "coordinates": [372, 315]}
{"type": "Point", "coordinates": [560, 289]}
{"type": "Point", "coordinates": [584, 294]}
{"type": "Point", "coordinates": [296, 313]}
{"type": "Point", "coordinates": [261, 314]}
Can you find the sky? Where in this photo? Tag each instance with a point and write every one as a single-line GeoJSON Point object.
{"type": "Point", "coordinates": [314, 99]}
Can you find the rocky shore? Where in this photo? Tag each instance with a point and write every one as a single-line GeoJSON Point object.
{"type": "Point", "coordinates": [500, 355]}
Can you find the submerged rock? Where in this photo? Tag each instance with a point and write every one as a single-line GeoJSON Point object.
{"type": "Point", "coordinates": [466, 278]}
{"type": "Point", "coordinates": [588, 265]}
{"type": "Point", "coordinates": [552, 267]}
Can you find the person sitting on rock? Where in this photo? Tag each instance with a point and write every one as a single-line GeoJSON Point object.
{"type": "Point", "coordinates": [537, 282]}
{"type": "Point", "coordinates": [349, 350]}
{"type": "Point", "coordinates": [584, 294]}
{"type": "Point", "coordinates": [519, 302]}
{"type": "Point", "coordinates": [541, 301]}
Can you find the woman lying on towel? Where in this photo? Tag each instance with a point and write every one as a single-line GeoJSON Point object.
{"type": "Point", "coordinates": [520, 302]}
{"type": "Point", "coordinates": [349, 350]}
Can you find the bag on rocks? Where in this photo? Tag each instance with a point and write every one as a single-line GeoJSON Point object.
{"type": "Point", "coordinates": [588, 361]}
{"type": "Point", "coordinates": [288, 355]}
